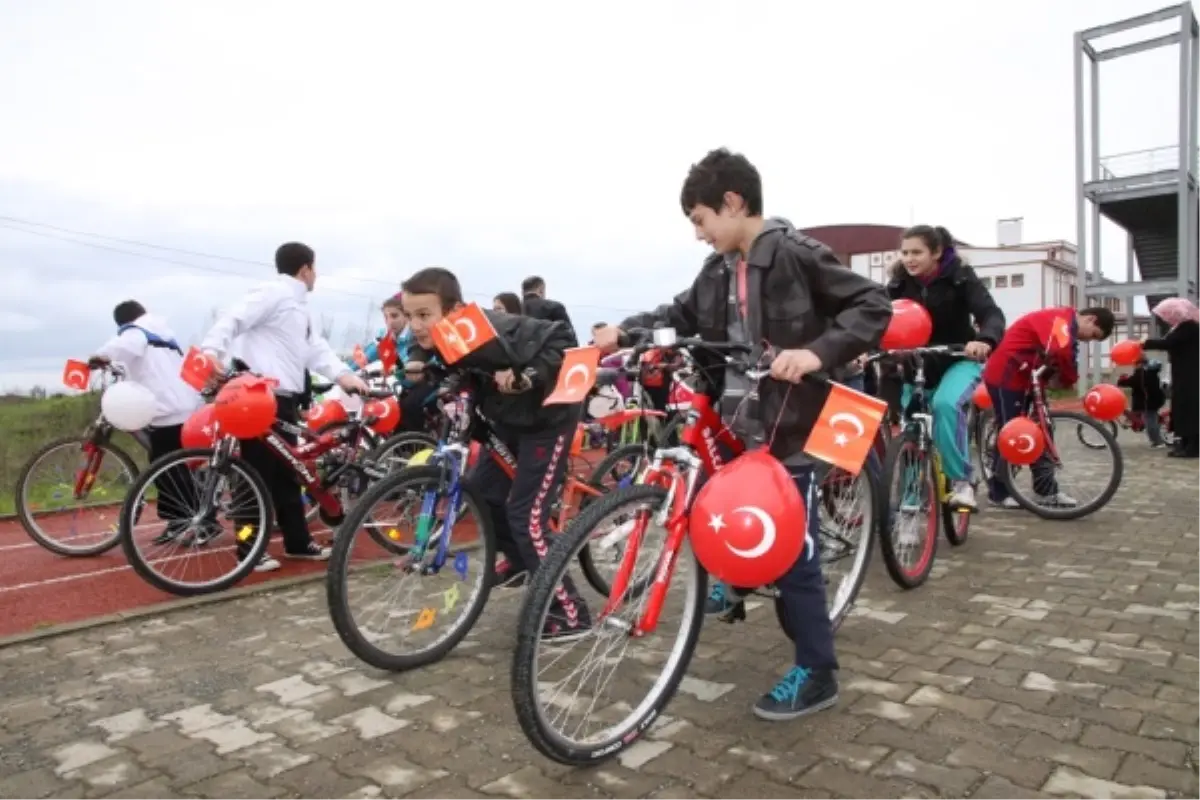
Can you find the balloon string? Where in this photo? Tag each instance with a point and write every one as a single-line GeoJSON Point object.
{"type": "Point", "coordinates": [779, 417]}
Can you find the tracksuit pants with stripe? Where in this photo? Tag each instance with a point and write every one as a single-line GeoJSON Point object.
{"type": "Point", "coordinates": [520, 505]}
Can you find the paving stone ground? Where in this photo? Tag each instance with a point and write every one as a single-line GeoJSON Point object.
{"type": "Point", "coordinates": [1041, 659]}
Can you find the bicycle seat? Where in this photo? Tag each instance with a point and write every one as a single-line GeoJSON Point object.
{"type": "Point", "coordinates": [321, 388]}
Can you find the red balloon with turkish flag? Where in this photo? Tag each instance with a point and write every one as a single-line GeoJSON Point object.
{"type": "Point", "coordinates": [1021, 441]}
{"type": "Point", "coordinates": [200, 430]}
{"type": "Point", "coordinates": [384, 415]}
{"type": "Point", "coordinates": [245, 407]}
{"type": "Point", "coordinates": [748, 524]}
{"type": "Point", "coordinates": [910, 326]}
{"type": "Point", "coordinates": [328, 412]}
{"type": "Point", "coordinates": [1104, 402]}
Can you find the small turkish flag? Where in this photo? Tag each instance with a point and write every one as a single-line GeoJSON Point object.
{"type": "Point", "coordinates": [386, 350]}
{"type": "Point", "coordinates": [845, 429]}
{"type": "Point", "coordinates": [462, 332]}
{"type": "Point", "coordinates": [1060, 332]}
{"type": "Point", "coordinates": [576, 377]}
{"type": "Point", "coordinates": [77, 375]}
{"type": "Point", "coordinates": [197, 368]}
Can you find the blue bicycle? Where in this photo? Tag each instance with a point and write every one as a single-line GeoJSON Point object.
{"type": "Point", "coordinates": [413, 600]}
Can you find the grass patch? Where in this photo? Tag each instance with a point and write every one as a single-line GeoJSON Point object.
{"type": "Point", "coordinates": [26, 424]}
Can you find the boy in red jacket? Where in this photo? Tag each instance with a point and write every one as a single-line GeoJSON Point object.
{"type": "Point", "coordinates": [1050, 336]}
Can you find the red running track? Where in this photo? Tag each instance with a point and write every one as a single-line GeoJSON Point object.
{"type": "Point", "coordinates": [39, 589]}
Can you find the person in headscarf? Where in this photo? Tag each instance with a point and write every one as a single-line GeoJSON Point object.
{"type": "Point", "coordinates": [1182, 346]}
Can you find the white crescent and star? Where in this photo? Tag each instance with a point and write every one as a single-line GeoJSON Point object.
{"type": "Point", "coordinates": [578, 369]}
{"type": "Point", "coordinates": [1020, 443]}
{"type": "Point", "coordinates": [840, 439]}
{"type": "Point", "coordinates": [77, 376]}
{"type": "Point", "coordinates": [768, 534]}
{"type": "Point", "coordinates": [468, 328]}
{"type": "Point", "coordinates": [1091, 399]}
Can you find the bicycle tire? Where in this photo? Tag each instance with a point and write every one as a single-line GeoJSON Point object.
{"type": "Point", "coordinates": [245, 566]}
{"type": "Point", "coordinates": [1112, 429]}
{"type": "Point", "coordinates": [587, 563]}
{"type": "Point", "coordinates": [337, 594]}
{"type": "Point", "coordinates": [955, 535]}
{"type": "Point", "coordinates": [402, 438]}
{"type": "Point", "coordinates": [1085, 509]}
{"type": "Point", "coordinates": [984, 421]}
{"type": "Point", "coordinates": [837, 615]}
{"type": "Point", "coordinates": [25, 514]}
{"type": "Point", "coordinates": [533, 610]}
{"type": "Point", "coordinates": [887, 542]}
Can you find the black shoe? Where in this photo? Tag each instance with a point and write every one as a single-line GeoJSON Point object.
{"type": "Point", "coordinates": [799, 693]}
{"type": "Point", "coordinates": [171, 533]}
{"type": "Point", "coordinates": [314, 552]}
{"type": "Point", "coordinates": [725, 603]}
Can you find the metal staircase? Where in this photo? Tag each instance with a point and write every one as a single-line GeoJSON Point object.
{"type": "Point", "coordinates": [1152, 194]}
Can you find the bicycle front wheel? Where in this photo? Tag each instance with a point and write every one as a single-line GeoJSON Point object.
{"type": "Point", "coordinates": [558, 704]}
{"type": "Point", "coordinates": [58, 517]}
{"type": "Point", "coordinates": [912, 514]}
{"type": "Point", "coordinates": [190, 551]}
{"type": "Point", "coordinates": [406, 612]}
{"type": "Point", "coordinates": [1083, 479]}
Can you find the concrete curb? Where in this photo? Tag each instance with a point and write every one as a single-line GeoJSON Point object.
{"type": "Point", "coordinates": [156, 609]}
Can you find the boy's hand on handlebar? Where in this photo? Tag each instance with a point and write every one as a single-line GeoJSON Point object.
{"type": "Point", "coordinates": [979, 351]}
{"type": "Point", "coordinates": [98, 362]}
{"type": "Point", "coordinates": [352, 383]}
{"type": "Point", "coordinates": [509, 382]}
{"type": "Point", "coordinates": [793, 365]}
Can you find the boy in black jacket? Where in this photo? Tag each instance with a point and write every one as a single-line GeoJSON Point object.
{"type": "Point", "coordinates": [768, 281]}
{"type": "Point", "coordinates": [525, 357]}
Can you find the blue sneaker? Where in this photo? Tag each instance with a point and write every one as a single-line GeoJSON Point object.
{"type": "Point", "coordinates": [724, 603]}
{"type": "Point", "coordinates": [800, 692]}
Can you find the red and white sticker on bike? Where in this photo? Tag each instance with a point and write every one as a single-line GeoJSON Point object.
{"type": "Point", "coordinates": [462, 332]}
{"type": "Point", "coordinates": [197, 368]}
{"type": "Point", "coordinates": [576, 377]}
{"type": "Point", "coordinates": [845, 429]}
{"type": "Point", "coordinates": [76, 375]}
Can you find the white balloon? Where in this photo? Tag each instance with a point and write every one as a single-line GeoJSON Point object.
{"type": "Point", "coordinates": [128, 406]}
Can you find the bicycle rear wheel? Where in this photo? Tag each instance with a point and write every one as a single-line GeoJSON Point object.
{"type": "Point", "coordinates": [848, 506]}
{"type": "Point", "coordinates": [624, 717]}
{"type": "Point", "coordinates": [1095, 462]}
{"type": "Point", "coordinates": [911, 515]}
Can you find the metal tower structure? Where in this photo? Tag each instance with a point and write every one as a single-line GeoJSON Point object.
{"type": "Point", "coordinates": [1151, 194]}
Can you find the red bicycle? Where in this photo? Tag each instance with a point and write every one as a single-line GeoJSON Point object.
{"type": "Point", "coordinates": [650, 519]}
{"type": "Point", "coordinates": [191, 489]}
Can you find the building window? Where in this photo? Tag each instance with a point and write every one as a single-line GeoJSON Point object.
{"type": "Point", "coordinates": [1001, 281]}
{"type": "Point", "coordinates": [1017, 281]}
{"type": "Point", "coordinates": [1071, 294]}
{"type": "Point", "coordinates": [986, 281]}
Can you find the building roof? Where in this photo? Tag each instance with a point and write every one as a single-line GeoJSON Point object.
{"type": "Point", "coordinates": [855, 238]}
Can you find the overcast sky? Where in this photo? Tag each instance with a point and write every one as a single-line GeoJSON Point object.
{"type": "Point", "coordinates": [507, 139]}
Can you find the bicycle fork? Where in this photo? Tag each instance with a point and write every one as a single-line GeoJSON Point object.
{"type": "Point", "coordinates": [672, 515]}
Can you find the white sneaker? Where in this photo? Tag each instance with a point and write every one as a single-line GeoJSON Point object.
{"type": "Point", "coordinates": [962, 495]}
{"type": "Point", "coordinates": [1059, 499]}
{"type": "Point", "coordinates": [1008, 503]}
{"type": "Point", "coordinates": [267, 564]}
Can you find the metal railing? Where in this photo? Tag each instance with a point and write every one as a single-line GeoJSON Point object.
{"type": "Point", "coordinates": [1139, 162]}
